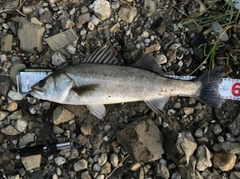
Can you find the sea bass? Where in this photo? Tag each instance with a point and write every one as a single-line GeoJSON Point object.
{"type": "Point", "coordinates": [102, 79]}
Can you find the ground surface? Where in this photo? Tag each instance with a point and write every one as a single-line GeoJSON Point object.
{"type": "Point", "coordinates": [198, 141]}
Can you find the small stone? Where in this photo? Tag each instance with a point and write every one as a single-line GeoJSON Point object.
{"type": "Point", "coordinates": [21, 125]}
{"type": "Point", "coordinates": [135, 167]}
{"type": "Point", "coordinates": [80, 165]}
{"type": "Point", "coordinates": [32, 110]}
{"type": "Point", "coordinates": [6, 43]}
{"type": "Point", "coordinates": [162, 171]}
{"type": "Point", "coordinates": [26, 139]}
{"type": "Point", "coordinates": [228, 147]}
{"type": "Point", "coordinates": [14, 71]}
{"type": "Point", "coordinates": [153, 48]}
{"type": "Point", "coordinates": [27, 10]}
{"type": "Point", "coordinates": [224, 161]}
{"type": "Point", "coordinates": [149, 7]}
{"type": "Point", "coordinates": [198, 133]}
{"type": "Point", "coordinates": [142, 147]}
{"type": "Point", "coordinates": [54, 176]}
{"type": "Point", "coordinates": [100, 177]}
{"type": "Point", "coordinates": [46, 105]}
{"type": "Point", "coordinates": [128, 14]}
{"type": "Point", "coordinates": [34, 20]}
{"type": "Point", "coordinates": [203, 158]}
{"type": "Point", "coordinates": [61, 39]}
{"type": "Point", "coordinates": [177, 105]}
{"type": "Point", "coordinates": [15, 95]}
{"type": "Point", "coordinates": [115, 28]}
{"type": "Point", "coordinates": [60, 160]}
{"type": "Point", "coordinates": [61, 115]}
{"type": "Point", "coordinates": [15, 115]}
{"type": "Point", "coordinates": [96, 167]}
{"type": "Point", "coordinates": [218, 29]}
{"type": "Point", "coordinates": [82, 19]}
{"type": "Point", "coordinates": [57, 130]}
{"type": "Point", "coordinates": [71, 49]}
{"type": "Point", "coordinates": [234, 175]}
{"type": "Point", "coordinates": [3, 115]}
{"type": "Point", "coordinates": [102, 159]}
{"type": "Point", "coordinates": [161, 59]}
{"type": "Point", "coordinates": [4, 84]}
{"type": "Point", "coordinates": [91, 25]}
{"type": "Point", "coordinates": [101, 9]}
{"type": "Point", "coordinates": [106, 168]}
{"type": "Point", "coordinates": [115, 5]}
{"type": "Point", "coordinates": [86, 129]}
{"type": "Point", "coordinates": [86, 175]}
{"type": "Point", "coordinates": [58, 59]}
{"type": "Point", "coordinates": [188, 110]}
{"type": "Point", "coordinates": [114, 160]}
{"type": "Point", "coordinates": [13, 106]}
{"type": "Point", "coordinates": [10, 130]}
{"type": "Point", "coordinates": [30, 35]}
{"type": "Point", "coordinates": [234, 126]}
{"type": "Point", "coordinates": [31, 162]}
{"type": "Point", "coordinates": [14, 177]}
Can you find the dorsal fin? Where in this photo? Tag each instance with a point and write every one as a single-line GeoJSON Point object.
{"type": "Point", "coordinates": [148, 62]}
{"type": "Point", "coordinates": [105, 55]}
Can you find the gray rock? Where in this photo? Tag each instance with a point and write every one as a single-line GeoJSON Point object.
{"type": "Point", "coordinates": [162, 171]}
{"type": "Point", "coordinates": [176, 175]}
{"type": "Point", "coordinates": [224, 161]}
{"type": "Point", "coordinates": [142, 140]}
{"type": "Point", "coordinates": [21, 125]}
{"type": "Point", "coordinates": [114, 159]}
{"type": "Point", "coordinates": [24, 140]}
{"type": "Point", "coordinates": [4, 84]}
{"type": "Point", "coordinates": [30, 35]}
{"type": "Point", "coordinates": [102, 159]}
{"type": "Point", "coordinates": [61, 115]}
{"type": "Point", "coordinates": [15, 115]}
{"type": "Point", "coordinates": [96, 167]}
{"type": "Point", "coordinates": [234, 175]}
{"type": "Point", "coordinates": [61, 39]}
{"type": "Point", "coordinates": [10, 5]}
{"type": "Point", "coordinates": [58, 59]}
{"type": "Point", "coordinates": [179, 147]}
{"type": "Point", "coordinates": [106, 168]}
{"type": "Point", "coordinates": [198, 132]}
{"type": "Point", "coordinates": [59, 160]}
{"type": "Point", "coordinates": [14, 71]}
{"type": "Point", "coordinates": [234, 126]}
{"type": "Point", "coordinates": [86, 175]}
{"type": "Point", "coordinates": [46, 17]}
{"type": "Point", "coordinates": [128, 14]}
{"type": "Point", "coordinates": [115, 5]}
{"type": "Point", "coordinates": [74, 154]}
{"type": "Point", "coordinates": [228, 147]}
{"type": "Point", "coordinates": [6, 43]}
{"type": "Point", "coordinates": [82, 19]}
{"type": "Point", "coordinates": [218, 29]}
{"type": "Point", "coordinates": [3, 115]}
{"type": "Point", "coordinates": [203, 158]}
{"type": "Point", "coordinates": [10, 130]}
{"type": "Point", "coordinates": [31, 162]}
{"type": "Point", "coordinates": [149, 7]}
{"type": "Point", "coordinates": [15, 95]}
{"type": "Point", "coordinates": [189, 170]}
{"type": "Point", "coordinates": [57, 130]}
{"type": "Point", "coordinates": [101, 9]}
{"type": "Point", "coordinates": [80, 165]}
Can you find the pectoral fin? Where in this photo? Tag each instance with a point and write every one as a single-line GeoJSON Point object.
{"type": "Point", "coordinates": [158, 104]}
{"type": "Point", "coordinates": [97, 110]}
{"type": "Point", "coordinates": [85, 90]}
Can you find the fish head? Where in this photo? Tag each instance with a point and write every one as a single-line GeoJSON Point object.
{"type": "Point", "coordinates": [55, 87]}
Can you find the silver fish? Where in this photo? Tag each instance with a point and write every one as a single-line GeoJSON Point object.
{"type": "Point", "coordinates": [102, 79]}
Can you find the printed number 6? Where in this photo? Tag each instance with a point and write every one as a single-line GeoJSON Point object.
{"type": "Point", "coordinates": [236, 89]}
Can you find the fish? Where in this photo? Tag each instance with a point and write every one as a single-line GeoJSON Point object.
{"type": "Point", "coordinates": [104, 79]}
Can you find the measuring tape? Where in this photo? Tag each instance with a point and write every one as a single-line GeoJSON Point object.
{"type": "Point", "coordinates": [229, 88]}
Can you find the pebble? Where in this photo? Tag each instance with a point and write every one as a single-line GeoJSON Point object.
{"type": "Point", "coordinates": [86, 129]}
{"type": "Point", "coordinates": [60, 160]}
{"type": "Point", "coordinates": [57, 130]}
{"type": "Point", "coordinates": [96, 167]}
{"type": "Point", "coordinates": [58, 59]}
{"type": "Point", "coordinates": [102, 159]}
{"type": "Point", "coordinates": [5, 83]}
{"type": "Point", "coordinates": [21, 125]}
{"type": "Point", "coordinates": [14, 71]}
{"type": "Point", "coordinates": [27, 138]}
{"type": "Point", "coordinates": [15, 95]}
{"type": "Point", "coordinates": [31, 162]}
{"type": "Point", "coordinates": [80, 165]}
{"type": "Point", "coordinates": [6, 43]}
{"type": "Point", "coordinates": [115, 5]}
{"type": "Point", "coordinates": [13, 106]}
{"type": "Point", "coordinates": [203, 157]}
{"type": "Point", "coordinates": [218, 29]}
{"type": "Point", "coordinates": [101, 9]}
{"type": "Point", "coordinates": [128, 14]}
{"type": "Point", "coordinates": [114, 159]}
{"type": "Point", "coordinates": [198, 133]}
{"type": "Point", "coordinates": [135, 167]}
{"type": "Point", "coordinates": [71, 49]}
{"type": "Point", "coordinates": [162, 171]}
{"type": "Point", "coordinates": [54, 176]}
{"type": "Point", "coordinates": [10, 130]}
{"type": "Point", "coordinates": [224, 161]}
{"type": "Point", "coordinates": [149, 7]}
{"type": "Point", "coordinates": [177, 105]}
{"type": "Point", "coordinates": [3, 115]}
{"type": "Point", "coordinates": [46, 105]}
{"type": "Point", "coordinates": [188, 110]}
{"type": "Point", "coordinates": [106, 168]}
{"type": "Point", "coordinates": [27, 10]}
{"type": "Point", "coordinates": [61, 115]}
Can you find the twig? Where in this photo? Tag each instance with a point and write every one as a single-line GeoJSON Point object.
{"type": "Point", "coordinates": [117, 167]}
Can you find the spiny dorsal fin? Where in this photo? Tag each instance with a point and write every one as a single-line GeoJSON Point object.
{"type": "Point", "coordinates": [105, 55]}
{"type": "Point", "coordinates": [148, 62]}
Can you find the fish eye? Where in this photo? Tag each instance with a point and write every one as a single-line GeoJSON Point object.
{"type": "Point", "coordinates": [41, 83]}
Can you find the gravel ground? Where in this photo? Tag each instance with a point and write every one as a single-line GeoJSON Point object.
{"type": "Point", "coordinates": [188, 140]}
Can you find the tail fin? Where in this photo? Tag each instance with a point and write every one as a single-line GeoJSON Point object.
{"type": "Point", "coordinates": [209, 93]}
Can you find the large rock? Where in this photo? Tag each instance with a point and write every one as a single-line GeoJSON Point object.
{"type": "Point", "coordinates": [142, 140]}
{"type": "Point", "coordinates": [203, 158]}
{"type": "Point", "coordinates": [101, 9]}
{"type": "Point", "coordinates": [61, 39]}
{"type": "Point", "coordinates": [179, 147]}
{"type": "Point", "coordinates": [224, 161]}
{"type": "Point", "coordinates": [31, 162]}
{"type": "Point", "coordinates": [61, 115]}
{"type": "Point", "coordinates": [30, 35]}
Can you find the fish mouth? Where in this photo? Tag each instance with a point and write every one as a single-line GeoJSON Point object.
{"type": "Point", "coordinates": [36, 92]}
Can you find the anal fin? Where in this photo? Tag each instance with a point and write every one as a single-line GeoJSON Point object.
{"type": "Point", "coordinates": [158, 104]}
{"type": "Point", "coordinates": [97, 110]}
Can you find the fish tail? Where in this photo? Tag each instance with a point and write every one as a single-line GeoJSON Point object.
{"type": "Point", "coordinates": [209, 93]}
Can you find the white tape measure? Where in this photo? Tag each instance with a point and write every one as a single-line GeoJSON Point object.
{"type": "Point", "coordinates": [229, 88]}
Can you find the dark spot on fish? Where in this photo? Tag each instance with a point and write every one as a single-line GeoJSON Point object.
{"type": "Point", "coordinates": [109, 96]}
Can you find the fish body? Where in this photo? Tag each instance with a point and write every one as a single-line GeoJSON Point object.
{"type": "Point", "coordinates": [94, 84]}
